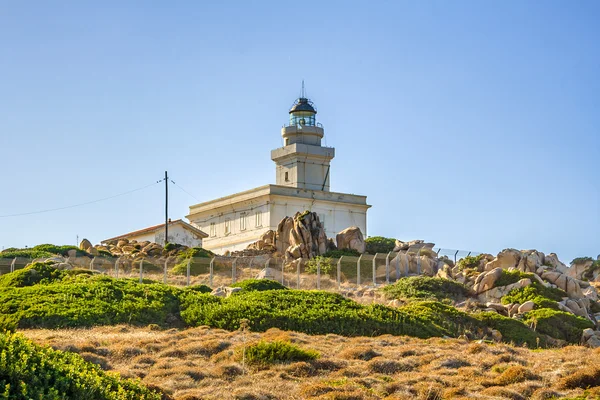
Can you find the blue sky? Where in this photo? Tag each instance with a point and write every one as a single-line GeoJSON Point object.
{"type": "Point", "coordinates": [475, 125]}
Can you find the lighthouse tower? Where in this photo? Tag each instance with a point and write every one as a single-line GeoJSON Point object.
{"type": "Point", "coordinates": [302, 162]}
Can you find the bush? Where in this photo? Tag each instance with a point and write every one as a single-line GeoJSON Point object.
{"type": "Point", "coordinates": [542, 296]}
{"type": "Point", "coordinates": [198, 289]}
{"type": "Point", "coordinates": [42, 251]}
{"type": "Point", "coordinates": [199, 261]}
{"type": "Point", "coordinates": [60, 250]}
{"type": "Point", "coordinates": [326, 265]}
{"type": "Point", "coordinates": [510, 277]}
{"type": "Point", "coordinates": [426, 287]}
{"type": "Point", "coordinates": [341, 253]}
{"type": "Point", "coordinates": [28, 371]}
{"type": "Point", "coordinates": [25, 253]}
{"type": "Point", "coordinates": [195, 252]}
{"type": "Point", "coordinates": [311, 312]}
{"type": "Point", "coordinates": [379, 244]}
{"type": "Point", "coordinates": [67, 299]}
{"type": "Point", "coordinates": [258, 285]}
{"type": "Point", "coordinates": [469, 262]}
{"type": "Point", "coordinates": [581, 260]}
{"type": "Point", "coordinates": [277, 352]}
{"type": "Point", "coordinates": [513, 331]}
{"type": "Point", "coordinates": [35, 273]}
{"type": "Point", "coordinates": [558, 324]}
{"type": "Point", "coordinates": [581, 379]}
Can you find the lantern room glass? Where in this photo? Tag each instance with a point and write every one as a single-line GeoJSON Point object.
{"type": "Point", "coordinates": [304, 118]}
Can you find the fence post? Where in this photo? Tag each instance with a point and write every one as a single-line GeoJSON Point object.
{"type": "Point", "coordinates": [165, 277]}
{"type": "Point", "coordinates": [233, 271]}
{"type": "Point", "coordinates": [92, 263]}
{"type": "Point", "coordinates": [339, 273]}
{"type": "Point", "coordinates": [358, 270]}
{"type": "Point", "coordinates": [407, 268]}
{"type": "Point", "coordinates": [374, 270]}
{"type": "Point", "coordinates": [387, 268]}
{"type": "Point", "coordinates": [318, 274]}
{"type": "Point", "coordinates": [212, 271]}
{"type": "Point", "coordinates": [398, 265]}
{"type": "Point", "coordinates": [419, 261]}
{"type": "Point", "coordinates": [267, 267]}
{"type": "Point", "coordinates": [12, 264]}
{"type": "Point", "coordinates": [298, 273]}
{"type": "Point", "coordinates": [117, 267]}
{"type": "Point", "coordinates": [141, 270]}
{"type": "Point", "coordinates": [455, 256]}
{"type": "Point", "coordinates": [188, 271]}
{"type": "Point", "coordinates": [282, 269]}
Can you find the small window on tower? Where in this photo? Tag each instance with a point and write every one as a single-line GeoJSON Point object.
{"type": "Point", "coordinates": [287, 177]}
{"type": "Point", "coordinates": [213, 229]}
{"type": "Point", "coordinates": [227, 226]}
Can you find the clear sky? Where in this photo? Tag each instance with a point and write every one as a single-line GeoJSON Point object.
{"type": "Point", "coordinates": [471, 124]}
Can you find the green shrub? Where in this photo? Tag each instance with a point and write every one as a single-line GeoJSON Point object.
{"type": "Point", "coordinates": [316, 312]}
{"type": "Point", "coordinates": [325, 264]}
{"type": "Point", "coordinates": [469, 262]}
{"type": "Point", "coordinates": [195, 252]}
{"type": "Point", "coordinates": [558, 324]}
{"type": "Point", "coordinates": [60, 250]}
{"type": "Point", "coordinates": [28, 371]}
{"type": "Point", "coordinates": [198, 289]}
{"type": "Point", "coordinates": [581, 260]}
{"type": "Point", "coordinates": [342, 252]}
{"type": "Point", "coordinates": [26, 253]}
{"type": "Point", "coordinates": [379, 244]}
{"type": "Point", "coordinates": [253, 285]}
{"type": "Point", "coordinates": [510, 277]}
{"type": "Point", "coordinates": [542, 296]}
{"type": "Point", "coordinates": [35, 273]}
{"type": "Point", "coordinates": [426, 287]}
{"type": "Point", "coordinates": [263, 353]}
{"type": "Point", "coordinates": [513, 331]}
{"type": "Point", "coordinates": [82, 300]}
{"type": "Point", "coordinates": [170, 246]}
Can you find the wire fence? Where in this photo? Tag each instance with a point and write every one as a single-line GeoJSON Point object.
{"type": "Point", "coordinates": [319, 273]}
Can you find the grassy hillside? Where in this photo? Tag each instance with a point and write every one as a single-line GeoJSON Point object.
{"type": "Point", "coordinates": [42, 297]}
{"type": "Point", "coordinates": [205, 363]}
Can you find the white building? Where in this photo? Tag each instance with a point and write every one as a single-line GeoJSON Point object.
{"type": "Point", "coordinates": [180, 232]}
{"type": "Point", "coordinates": [302, 183]}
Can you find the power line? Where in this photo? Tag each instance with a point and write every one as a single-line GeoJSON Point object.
{"type": "Point", "coordinates": [80, 204]}
{"type": "Point", "coordinates": [173, 182]}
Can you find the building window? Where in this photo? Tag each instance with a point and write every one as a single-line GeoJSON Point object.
{"type": "Point", "coordinates": [213, 229]}
{"type": "Point", "coordinates": [258, 219]}
{"type": "Point", "coordinates": [286, 177]}
{"type": "Point", "coordinates": [227, 226]}
{"type": "Point", "coordinates": [243, 221]}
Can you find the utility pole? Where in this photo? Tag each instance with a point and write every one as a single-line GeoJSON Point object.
{"type": "Point", "coordinates": [166, 208]}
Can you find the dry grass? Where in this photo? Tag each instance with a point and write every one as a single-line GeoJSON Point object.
{"type": "Point", "coordinates": [201, 363]}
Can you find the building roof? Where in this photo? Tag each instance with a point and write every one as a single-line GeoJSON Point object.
{"type": "Point", "coordinates": [160, 226]}
{"type": "Point", "coordinates": [303, 104]}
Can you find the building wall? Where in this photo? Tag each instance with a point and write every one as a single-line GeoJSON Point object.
{"type": "Point", "coordinates": [335, 215]}
{"type": "Point", "coordinates": [143, 237]}
{"type": "Point", "coordinates": [178, 234]}
{"type": "Point", "coordinates": [225, 228]}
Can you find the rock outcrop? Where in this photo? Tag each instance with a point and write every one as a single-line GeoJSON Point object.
{"type": "Point", "coordinates": [351, 238]}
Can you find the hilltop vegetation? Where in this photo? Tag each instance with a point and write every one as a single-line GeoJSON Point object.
{"type": "Point", "coordinates": [40, 296]}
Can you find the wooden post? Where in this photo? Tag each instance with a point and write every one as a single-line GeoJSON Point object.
{"type": "Point", "coordinates": [298, 273]}
{"type": "Point", "coordinates": [12, 264]}
{"type": "Point", "coordinates": [165, 277]}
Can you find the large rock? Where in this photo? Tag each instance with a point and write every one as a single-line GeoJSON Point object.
{"type": "Point", "coordinates": [487, 280]}
{"type": "Point", "coordinates": [530, 261]}
{"type": "Point", "coordinates": [85, 245]}
{"type": "Point", "coordinates": [303, 229]}
{"type": "Point", "coordinates": [553, 261]}
{"type": "Point", "coordinates": [506, 259]}
{"type": "Point", "coordinates": [351, 238]}
{"type": "Point", "coordinates": [266, 242]}
{"type": "Point", "coordinates": [526, 307]}
{"type": "Point", "coordinates": [579, 269]}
